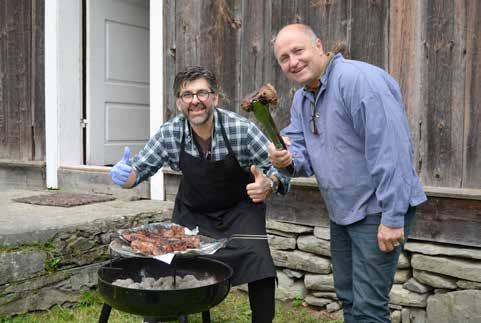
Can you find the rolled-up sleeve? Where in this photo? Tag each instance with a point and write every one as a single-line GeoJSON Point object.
{"type": "Point", "coordinates": [379, 121]}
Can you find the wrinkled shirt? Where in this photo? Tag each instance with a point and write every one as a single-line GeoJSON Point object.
{"type": "Point", "coordinates": [248, 143]}
{"type": "Point", "coordinates": [362, 155]}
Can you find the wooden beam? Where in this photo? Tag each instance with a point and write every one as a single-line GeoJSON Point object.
{"type": "Point", "coordinates": [451, 192]}
{"type": "Point", "coordinates": [460, 193]}
{"type": "Point", "coordinates": [450, 220]}
{"type": "Point", "coordinates": [6, 163]}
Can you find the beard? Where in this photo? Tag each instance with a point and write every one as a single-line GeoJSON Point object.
{"type": "Point", "coordinates": [199, 119]}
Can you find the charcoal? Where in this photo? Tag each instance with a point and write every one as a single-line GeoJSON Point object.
{"type": "Point", "coordinates": [166, 283]}
{"type": "Point", "coordinates": [123, 282]}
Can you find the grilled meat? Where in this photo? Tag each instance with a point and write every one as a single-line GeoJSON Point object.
{"type": "Point", "coordinates": [266, 94]}
{"type": "Point", "coordinates": [161, 240]}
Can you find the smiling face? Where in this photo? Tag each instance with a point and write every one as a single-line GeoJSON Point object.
{"type": "Point", "coordinates": [299, 55]}
{"type": "Point", "coordinates": [199, 113]}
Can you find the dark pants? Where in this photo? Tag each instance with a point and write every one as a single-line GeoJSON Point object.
{"type": "Point", "coordinates": [363, 274]}
{"type": "Point", "coordinates": [262, 300]}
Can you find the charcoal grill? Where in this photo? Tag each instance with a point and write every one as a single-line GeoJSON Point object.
{"type": "Point", "coordinates": [164, 305]}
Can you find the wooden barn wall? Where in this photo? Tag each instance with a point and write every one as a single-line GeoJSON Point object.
{"type": "Point", "coordinates": [22, 112]}
{"type": "Point", "coordinates": [432, 48]}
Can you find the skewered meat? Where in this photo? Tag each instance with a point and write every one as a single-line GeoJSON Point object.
{"type": "Point", "coordinates": [266, 94]}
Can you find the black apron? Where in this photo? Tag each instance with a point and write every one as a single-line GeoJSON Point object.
{"type": "Point", "coordinates": [212, 196]}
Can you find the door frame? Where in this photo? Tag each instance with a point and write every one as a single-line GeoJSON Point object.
{"type": "Point", "coordinates": [63, 87]}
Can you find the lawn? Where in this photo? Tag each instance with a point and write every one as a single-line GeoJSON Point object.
{"type": "Point", "coordinates": [235, 309]}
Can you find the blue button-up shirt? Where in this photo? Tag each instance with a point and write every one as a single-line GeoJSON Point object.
{"type": "Point", "coordinates": [362, 155]}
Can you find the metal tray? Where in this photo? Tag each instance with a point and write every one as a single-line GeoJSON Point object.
{"type": "Point", "coordinates": [122, 247]}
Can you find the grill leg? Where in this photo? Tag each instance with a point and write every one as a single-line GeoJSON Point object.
{"type": "Point", "coordinates": [104, 315]}
{"type": "Point", "coordinates": [206, 316]}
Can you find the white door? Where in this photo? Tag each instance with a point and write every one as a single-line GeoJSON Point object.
{"type": "Point", "coordinates": [117, 78]}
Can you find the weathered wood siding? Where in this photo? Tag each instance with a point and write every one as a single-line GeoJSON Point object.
{"type": "Point", "coordinates": [22, 121]}
{"type": "Point", "coordinates": [435, 54]}
{"type": "Point", "coordinates": [472, 99]}
{"type": "Point", "coordinates": [431, 47]}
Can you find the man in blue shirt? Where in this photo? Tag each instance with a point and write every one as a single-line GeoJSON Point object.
{"type": "Point", "coordinates": [349, 129]}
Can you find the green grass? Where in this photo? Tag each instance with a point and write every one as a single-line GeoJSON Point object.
{"type": "Point", "coordinates": [234, 309]}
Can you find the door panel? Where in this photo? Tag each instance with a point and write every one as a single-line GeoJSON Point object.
{"type": "Point", "coordinates": [117, 78]}
{"type": "Point", "coordinates": [137, 116]}
{"type": "Point", "coordinates": [132, 42]}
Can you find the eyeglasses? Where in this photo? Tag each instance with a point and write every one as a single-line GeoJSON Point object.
{"type": "Point", "coordinates": [312, 121]}
{"type": "Point", "coordinates": [188, 97]}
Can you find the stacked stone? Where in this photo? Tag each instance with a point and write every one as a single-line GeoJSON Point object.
{"type": "Point", "coordinates": [445, 286]}
{"type": "Point", "coordinates": [302, 255]}
{"type": "Point", "coordinates": [62, 267]}
{"type": "Point", "coordinates": [433, 283]}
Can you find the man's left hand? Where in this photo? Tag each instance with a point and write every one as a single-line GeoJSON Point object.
{"type": "Point", "coordinates": [261, 188]}
{"type": "Point", "coordinates": [389, 238]}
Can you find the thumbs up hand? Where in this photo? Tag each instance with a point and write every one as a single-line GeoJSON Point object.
{"type": "Point", "coordinates": [260, 189]}
{"type": "Point", "coordinates": [126, 156]}
{"type": "Point", "coordinates": [120, 172]}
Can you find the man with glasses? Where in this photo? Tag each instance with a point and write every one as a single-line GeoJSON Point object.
{"type": "Point", "coordinates": [349, 129]}
{"type": "Point", "coordinates": [223, 158]}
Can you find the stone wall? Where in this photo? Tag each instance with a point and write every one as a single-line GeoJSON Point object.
{"type": "Point", "coordinates": [434, 283]}
{"type": "Point", "coordinates": [62, 267]}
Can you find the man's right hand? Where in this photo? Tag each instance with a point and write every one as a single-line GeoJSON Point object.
{"type": "Point", "coordinates": [280, 158]}
{"type": "Point", "coordinates": [120, 172]}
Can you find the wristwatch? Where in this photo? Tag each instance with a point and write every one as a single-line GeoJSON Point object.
{"type": "Point", "coordinates": [274, 184]}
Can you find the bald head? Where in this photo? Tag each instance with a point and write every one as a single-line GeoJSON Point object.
{"type": "Point", "coordinates": [297, 28]}
{"type": "Point", "coordinates": [299, 53]}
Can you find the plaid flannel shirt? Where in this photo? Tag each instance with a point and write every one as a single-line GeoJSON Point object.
{"type": "Point", "coordinates": [248, 143]}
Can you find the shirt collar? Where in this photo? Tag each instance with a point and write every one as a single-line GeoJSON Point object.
{"type": "Point", "coordinates": [188, 128]}
{"type": "Point", "coordinates": [326, 70]}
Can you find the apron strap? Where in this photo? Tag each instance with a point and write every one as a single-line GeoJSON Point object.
{"type": "Point", "coordinates": [182, 143]}
{"type": "Point", "coordinates": [224, 135]}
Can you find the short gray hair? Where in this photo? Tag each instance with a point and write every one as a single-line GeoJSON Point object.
{"type": "Point", "coordinates": [193, 73]}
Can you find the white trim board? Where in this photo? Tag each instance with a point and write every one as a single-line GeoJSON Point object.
{"type": "Point", "coordinates": [51, 104]}
{"type": "Point", "coordinates": [63, 86]}
{"type": "Point", "coordinates": [157, 190]}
